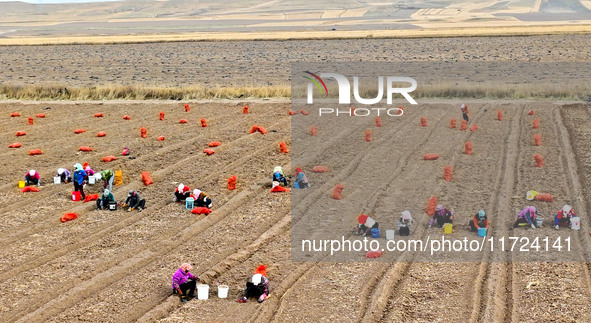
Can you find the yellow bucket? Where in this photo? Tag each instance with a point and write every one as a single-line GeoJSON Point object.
{"type": "Point", "coordinates": [21, 184]}
{"type": "Point", "coordinates": [447, 228]}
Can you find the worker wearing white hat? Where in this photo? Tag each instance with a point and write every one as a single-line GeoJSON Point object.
{"type": "Point", "coordinates": [563, 216]}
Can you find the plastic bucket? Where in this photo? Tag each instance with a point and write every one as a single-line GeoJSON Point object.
{"type": "Point", "coordinates": [482, 232]}
{"type": "Point", "coordinates": [539, 221]}
{"type": "Point", "coordinates": [275, 183]}
{"type": "Point", "coordinates": [448, 228]}
{"type": "Point", "coordinates": [75, 196]}
{"type": "Point", "coordinates": [91, 180]}
{"type": "Point", "coordinates": [223, 291]}
{"type": "Point", "coordinates": [57, 180]}
{"type": "Point", "coordinates": [575, 223]}
{"type": "Point", "coordinates": [112, 206]}
{"type": "Point", "coordinates": [375, 232]}
{"type": "Point", "coordinates": [202, 291]}
{"type": "Point", "coordinates": [21, 184]}
{"type": "Point", "coordinates": [390, 234]}
{"type": "Point", "coordinates": [189, 203]}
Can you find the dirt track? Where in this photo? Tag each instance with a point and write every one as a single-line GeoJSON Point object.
{"type": "Point", "coordinates": [116, 266]}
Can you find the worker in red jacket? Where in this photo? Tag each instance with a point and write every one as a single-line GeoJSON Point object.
{"type": "Point", "coordinates": [181, 193]}
{"type": "Point", "coordinates": [562, 217]}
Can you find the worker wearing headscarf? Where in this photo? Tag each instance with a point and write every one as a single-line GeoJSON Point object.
{"type": "Point", "coordinates": [134, 201]}
{"type": "Point", "coordinates": [365, 224]}
{"type": "Point", "coordinates": [480, 220]}
{"type": "Point", "coordinates": [563, 216]}
{"type": "Point", "coordinates": [181, 193]}
{"type": "Point", "coordinates": [32, 177]}
{"type": "Point", "coordinates": [404, 223]}
{"type": "Point", "coordinates": [105, 200]}
{"type": "Point", "coordinates": [301, 180]}
{"type": "Point", "coordinates": [527, 215]}
{"type": "Point", "coordinates": [64, 175]}
{"type": "Point", "coordinates": [257, 287]}
{"type": "Point", "coordinates": [202, 199]}
{"type": "Point", "coordinates": [465, 112]}
{"type": "Point", "coordinates": [442, 216]}
{"type": "Point", "coordinates": [79, 175]}
{"type": "Point", "coordinates": [184, 283]}
{"type": "Point", "coordinates": [279, 175]}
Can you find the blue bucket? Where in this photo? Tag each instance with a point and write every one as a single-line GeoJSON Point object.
{"type": "Point", "coordinates": [482, 232]}
{"type": "Point", "coordinates": [189, 203]}
{"type": "Point", "coordinates": [375, 232]}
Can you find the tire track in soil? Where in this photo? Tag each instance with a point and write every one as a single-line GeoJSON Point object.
{"type": "Point", "coordinates": [397, 275]}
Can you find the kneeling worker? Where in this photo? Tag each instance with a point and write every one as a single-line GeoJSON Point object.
{"type": "Point", "coordinates": [106, 199]}
{"type": "Point", "coordinates": [134, 201]}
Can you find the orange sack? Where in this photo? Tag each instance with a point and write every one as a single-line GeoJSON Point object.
{"type": "Point", "coordinates": [452, 123]}
{"type": "Point", "coordinates": [431, 206]}
{"type": "Point", "coordinates": [292, 113]}
{"type": "Point", "coordinates": [101, 134]}
{"type": "Point", "coordinates": [84, 148]}
{"type": "Point", "coordinates": [283, 147]}
{"type": "Point", "coordinates": [245, 109]}
{"type": "Point", "coordinates": [544, 197]}
{"type": "Point", "coordinates": [15, 114]}
{"type": "Point", "coordinates": [209, 152]}
{"type": "Point", "coordinates": [374, 254]}
{"type": "Point", "coordinates": [35, 152]}
{"type": "Point", "coordinates": [29, 189]}
{"type": "Point", "coordinates": [68, 217]}
{"type": "Point", "coordinates": [232, 182]}
{"type": "Point", "coordinates": [161, 138]}
{"type": "Point", "coordinates": [378, 122]}
{"type": "Point", "coordinates": [15, 145]}
{"type": "Point", "coordinates": [21, 133]}
{"type": "Point", "coordinates": [215, 144]}
{"type": "Point", "coordinates": [468, 148]}
{"type": "Point", "coordinates": [338, 190]}
{"type": "Point", "coordinates": [161, 117]}
{"type": "Point", "coordinates": [183, 121]}
{"type": "Point", "coordinates": [463, 125]}
{"type": "Point", "coordinates": [500, 115]}
{"type": "Point", "coordinates": [126, 117]}
{"type": "Point", "coordinates": [447, 173]}
{"type": "Point", "coordinates": [254, 129]}
{"type": "Point", "coordinates": [536, 123]}
{"type": "Point", "coordinates": [367, 135]}
{"type": "Point", "coordinates": [304, 112]}
{"type": "Point", "coordinates": [30, 121]}
{"type": "Point", "coordinates": [431, 156]}
{"type": "Point", "coordinates": [531, 112]}
{"type": "Point", "coordinates": [187, 109]}
{"type": "Point", "coordinates": [143, 132]}
{"type": "Point", "coordinates": [90, 197]}
{"type": "Point", "coordinates": [538, 139]}
{"type": "Point", "coordinates": [98, 115]}
{"type": "Point", "coordinates": [78, 131]}
{"type": "Point", "coordinates": [352, 111]}
{"type": "Point", "coordinates": [539, 160]}
{"type": "Point", "coordinates": [108, 159]}
{"type": "Point", "coordinates": [201, 210]}
{"type": "Point", "coordinates": [147, 179]}
{"type": "Point", "coordinates": [400, 110]}
{"type": "Point", "coordinates": [40, 115]}
{"type": "Point", "coordinates": [279, 188]}
{"type": "Point", "coordinates": [423, 122]}
{"type": "Point", "coordinates": [474, 127]}
{"type": "Point", "coordinates": [203, 123]}
{"type": "Point", "coordinates": [313, 131]}
{"type": "Point", "coordinates": [320, 169]}
{"type": "Point", "coordinates": [262, 130]}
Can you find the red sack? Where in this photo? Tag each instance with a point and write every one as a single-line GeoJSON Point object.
{"type": "Point", "coordinates": [378, 122]}
{"type": "Point", "coordinates": [279, 189]}
{"type": "Point", "coordinates": [304, 112]}
{"type": "Point", "coordinates": [367, 135]}
{"type": "Point", "coordinates": [245, 109]}
{"type": "Point", "coordinates": [531, 112]}
{"type": "Point", "coordinates": [201, 210]}
{"type": "Point", "coordinates": [101, 134]}
{"type": "Point", "coordinates": [463, 125]}
{"type": "Point", "coordinates": [474, 127]}
{"type": "Point", "coordinates": [147, 179]}
{"type": "Point", "coordinates": [400, 110]}
{"type": "Point", "coordinates": [352, 111]}
{"type": "Point", "coordinates": [254, 129]}
{"type": "Point", "coordinates": [320, 169]}
{"type": "Point", "coordinates": [373, 254]}
{"type": "Point", "coordinates": [108, 159]}
{"type": "Point", "coordinates": [68, 217]}
{"type": "Point", "coordinates": [35, 152]}
{"type": "Point", "coordinates": [30, 121]}
{"type": "Point", "coordinates": [536, 123]}
{"type": "Point", "coordinates": [21, 133]}
{"type": "Point", "coordinates": [161, 115]}
{"type": "Point", "coordinates": [126, 117]}
{"type": "Point", "coordinates": [143, 132]}
{"type": "Point", "coordinates": [29, 189]}
{"type": "Point", "coordinates": [452, 123]}
{"type": "Point", "coordinates": [232, 182]}
{"type": "Point", "coordinates": [538, 139]}
{"type": "Point", "coordinates": [292, 113]}
{"type": "Point", "coordinates": [15, 114]}
{"type": "Point", "coordinates": [183, 121]}
{"type": "Point", "coordinates": [161, 138]}
{"type": "Point", "coordinates": [78, 131]}
{"type": "Point", "coordinates": [209, 152]}
{"type": "Point", "coordinates": [262, 269]}
{"type": "Point", "coordinates": [313, 131]}
{"type": "Point", "coordinates": [431, 156]}
{"type": "Point", "coordinates": [203, 123]}
{"type": "Point", "coordinates": [15, 145]}
{"type": "Point", "coordinates": [431, 206]}
{"type": "Point", "coordinates": [98, 115]}
{"type": "Point", "coordinates": [215, 144]}
{"type": "Point", "coordinates": [544, 197]}
{"type": "Point", "coordinates": [500, 115]}
{"type": "Point", "coordinates": [187, 109]}
{"type": "Point", "coordinates": [40, 115]}
{"type": "Point", "coordinates": [539, 160]}
{"type": "Point", "coordinates": [262, 130]}
{"type": "Point", "coordinates": [338, 190]}
{"type": "Point", "coordinates": [468, 148]}
{"type": "Point", "coordinates": [447, 173]}
{"type": "Point", "coordinates": [283, 147]}
{"type": "Point", "coordinates": [84, 148]}
{"type": "Point", "coordinates": [423, 122]}
{"type": "Point", "coordinates": [90, 197]}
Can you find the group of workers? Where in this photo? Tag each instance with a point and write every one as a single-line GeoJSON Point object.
{"type": "Point", "coordinates": [300, 181]}
{"type": "Point", "coordinates": [200, 198]}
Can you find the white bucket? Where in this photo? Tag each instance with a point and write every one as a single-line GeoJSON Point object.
{"type": "Point", "coordinates": [390, 234]}
{"type": "Point", "coordinates": [202, 291]}
{"type": "Point", "coordinates": [275, 183]}
{"type": "Point", "coordinates": [539, 221]}
{"type": "Point", "coordinates": [91, 180]}
{"type": "Point", "coordinates": [98, 177]}
{"type": "Point", "coordinates": [57, 180]}
{"type": "Point", "coordinates": [223, 291]}
{"type": "Point", "coordinates": [575, 223]}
